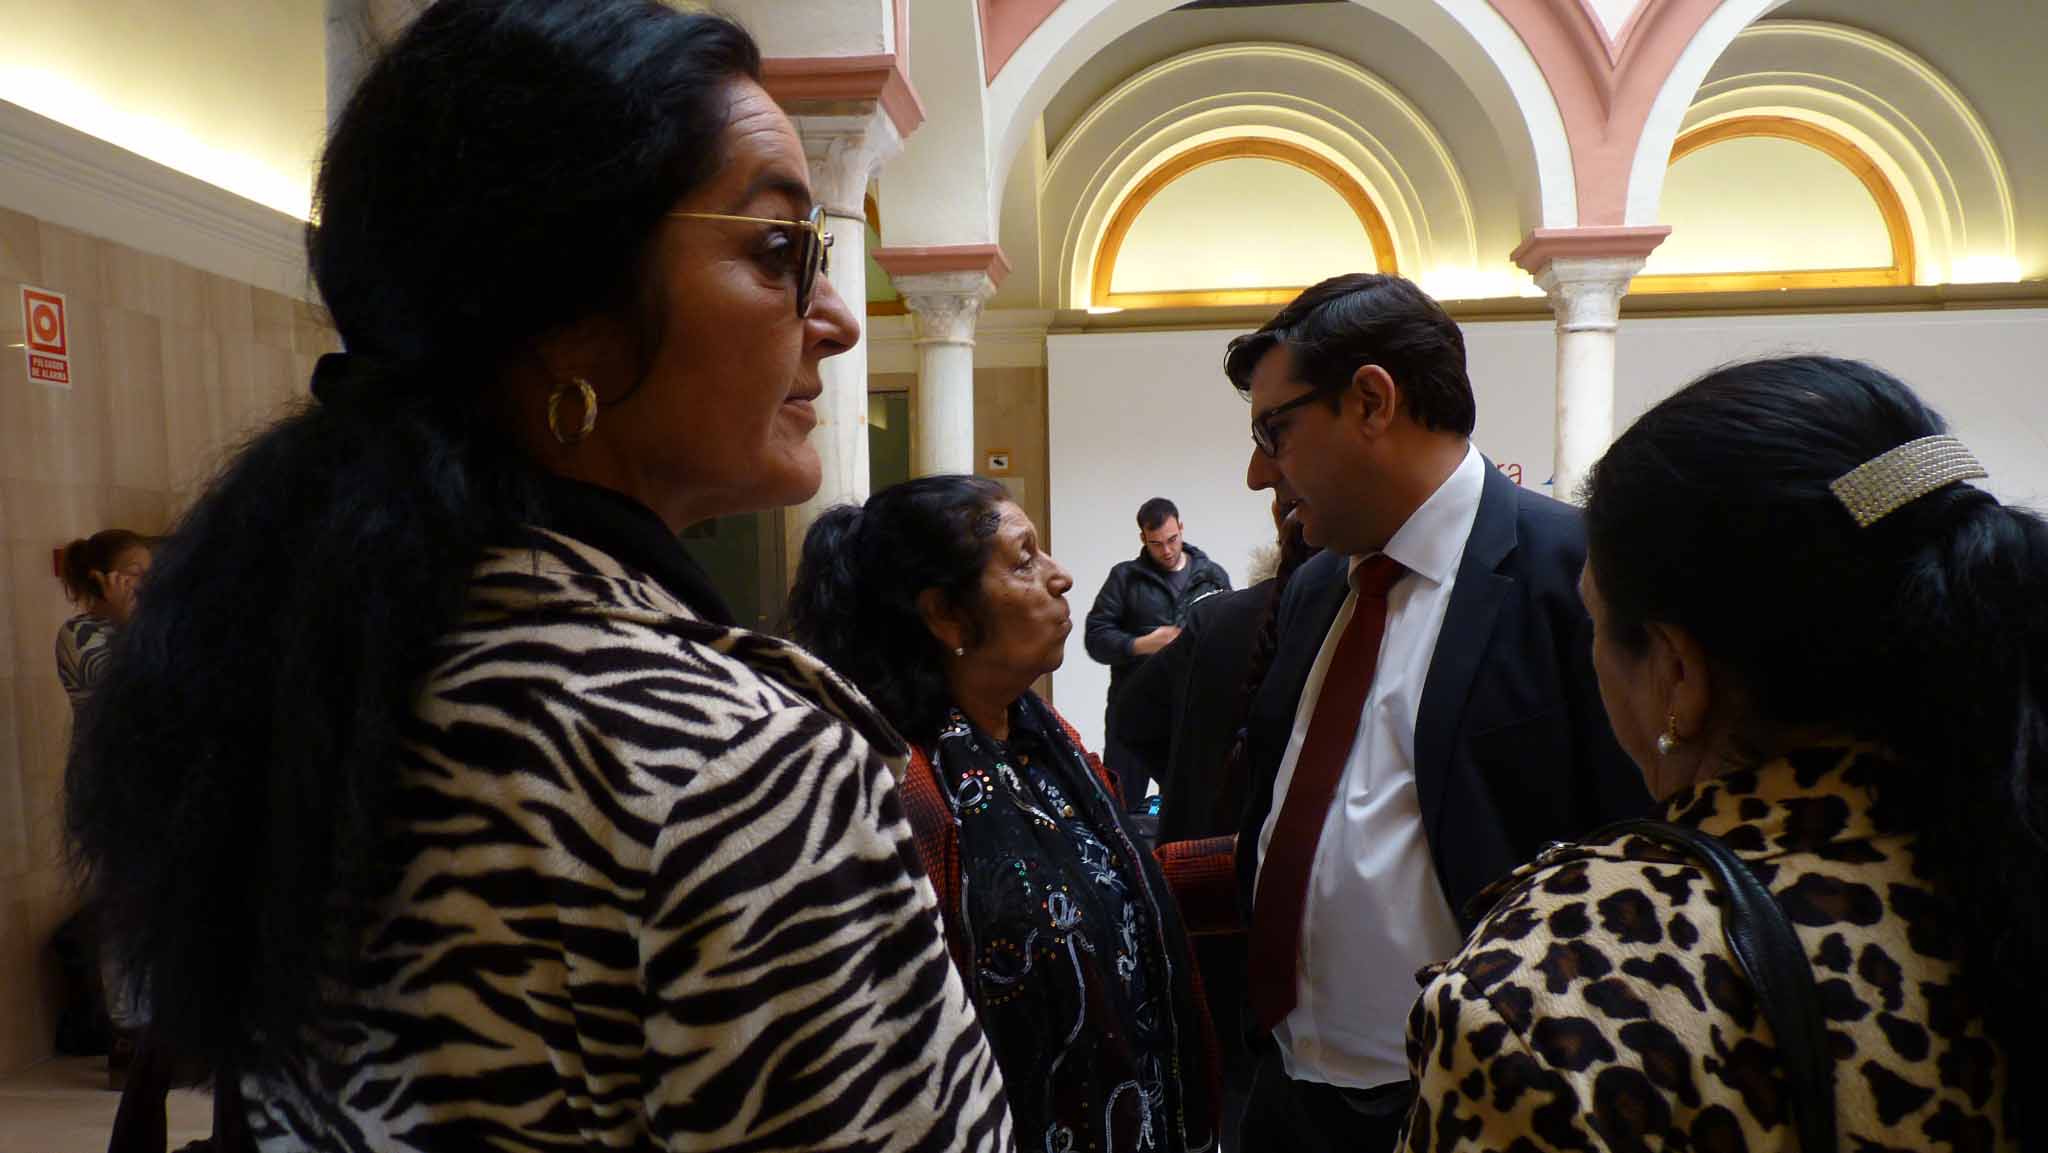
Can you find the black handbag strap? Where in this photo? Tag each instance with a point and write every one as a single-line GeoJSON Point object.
{"type": "Point", "coordinates": [1767, 948]}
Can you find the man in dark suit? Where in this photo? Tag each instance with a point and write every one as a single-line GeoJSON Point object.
{"type": "Point", "coordinates": [1182, 708]}
{"type": "Point", "coordinates": [1430, 719]}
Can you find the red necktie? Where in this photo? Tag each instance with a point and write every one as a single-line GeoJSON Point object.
{"type": "Point", "coordinates": [1282, 888]}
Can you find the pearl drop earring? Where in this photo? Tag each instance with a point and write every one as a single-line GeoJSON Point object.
{"type": "Point", "coordinates": [1667, 741]}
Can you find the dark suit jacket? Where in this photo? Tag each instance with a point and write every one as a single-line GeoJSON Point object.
{"type": "Point", "coordinates": [1512, 746]}
{"type": "Point", "coordinates": [1180, 711]}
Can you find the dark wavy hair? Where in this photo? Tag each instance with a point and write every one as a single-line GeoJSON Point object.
{"type": "Point", "coordinates": [83, 560]}
{"type": "Point", "coordinates": [854, 603]}
{"type": "Point", "coordinates": [1335, 327]}
{"type": "Point", "coordinates": [501, 171]}
{"type": "Point", "coordinates": [1926, 632]}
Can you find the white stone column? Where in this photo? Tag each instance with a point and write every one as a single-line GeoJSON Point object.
{"type": "Point", "coordinates": [844, 152]}
{"type": "Point", "coordinates": [944, 308]}
{"type": "Point", "coordinates": [1585, 293]}
{"type": "Point", "coordinates": [1585, 272]}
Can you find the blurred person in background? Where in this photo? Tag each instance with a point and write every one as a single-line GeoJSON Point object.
{"type": "Point", "coordinates": [101, 574]}
{"type": "Point", "coordinates": [1139, 610]}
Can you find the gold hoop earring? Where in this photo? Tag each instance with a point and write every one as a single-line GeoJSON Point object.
{"type": "Point", "coordinates": [1667, 741]}
{"type": "Point", "coordinates": [589, 410]}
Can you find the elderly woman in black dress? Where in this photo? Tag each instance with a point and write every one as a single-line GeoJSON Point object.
{"type": "Point", "coordinates": [939, 600]}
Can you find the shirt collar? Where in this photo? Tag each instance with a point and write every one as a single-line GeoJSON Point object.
{"type": "Point", "coordinates": [1432, 541]}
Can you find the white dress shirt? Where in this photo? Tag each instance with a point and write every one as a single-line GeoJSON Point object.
{"type": "Point", "coordinates": [1375, 911]}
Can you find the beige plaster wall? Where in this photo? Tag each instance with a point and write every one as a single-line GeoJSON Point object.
{"type": "Point", "coordinates": [171, 367]}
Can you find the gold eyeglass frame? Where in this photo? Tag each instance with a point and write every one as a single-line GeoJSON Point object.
{"type": "Point", "coordinates": [815, 266]}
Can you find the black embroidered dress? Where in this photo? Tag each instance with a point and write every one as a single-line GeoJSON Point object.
{"type": "Point", "coordinates": [1073, 974]}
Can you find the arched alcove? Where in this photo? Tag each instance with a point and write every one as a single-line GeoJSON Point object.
{"type": "Point", "coordinates": [1473, 40]}
{"type": "Point", "coordinates": [1332, 130]}
{"type": "Point", "coordinates": [1181, 238]}
{"type": "Point", "coordinates": [1765, 202]}
{"type": "Point", "coordinates": [1907, 119]}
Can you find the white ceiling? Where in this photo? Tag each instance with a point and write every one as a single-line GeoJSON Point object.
{"type": "Point", "coordinates": [231, 92]}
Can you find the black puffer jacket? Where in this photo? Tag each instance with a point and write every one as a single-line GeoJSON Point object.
{"type": "Point", "coordinates": [1137, 599]}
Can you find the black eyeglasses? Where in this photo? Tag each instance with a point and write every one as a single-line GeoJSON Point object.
{"type": "Point", "coordinates": [1262, 424]}
{"type": "Point", "coordinates": [812, 244]}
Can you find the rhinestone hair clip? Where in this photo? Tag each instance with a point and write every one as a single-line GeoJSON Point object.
{"type": "Point", "coordinates": [1888, 482]}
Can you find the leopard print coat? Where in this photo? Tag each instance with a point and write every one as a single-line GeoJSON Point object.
{"type": "Point", "coordinates": [1598, 1008]}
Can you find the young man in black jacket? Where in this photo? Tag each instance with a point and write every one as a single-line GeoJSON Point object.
{"type": "Point", "coordinates": [1138, 612]}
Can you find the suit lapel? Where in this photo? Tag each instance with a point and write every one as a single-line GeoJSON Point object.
{"type": "Point", "coordinates": [1319, 607]}
{"type": "Point", "coordinates": [1461, 646]}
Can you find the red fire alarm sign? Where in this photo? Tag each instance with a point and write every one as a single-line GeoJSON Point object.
{"type": "Point", "coordinates": [45, 336]}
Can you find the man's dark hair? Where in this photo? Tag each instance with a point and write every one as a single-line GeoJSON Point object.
{"type": "Point", "coordinates": [1156, 512]}
{"type": "Point", "coordinates": [1368, 318]}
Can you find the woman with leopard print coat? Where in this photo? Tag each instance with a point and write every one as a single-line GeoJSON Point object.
{"type": "Point", "coordinates": [1832, 672]}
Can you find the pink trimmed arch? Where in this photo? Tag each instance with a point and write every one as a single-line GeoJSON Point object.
{"type": "Point", "coordinates": [1604, 85]}
{"type": "Point", "coordinates": [1005, 25]}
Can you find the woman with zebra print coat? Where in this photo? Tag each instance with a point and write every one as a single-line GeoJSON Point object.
{"type": "Point", "coordinates": [437, 797]}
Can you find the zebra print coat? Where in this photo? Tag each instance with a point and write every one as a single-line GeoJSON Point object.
{"type": "Point", "coordinates": [657, 892]}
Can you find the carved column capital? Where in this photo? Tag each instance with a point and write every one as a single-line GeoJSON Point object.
{"type": "Point", "coordinates": [1585, 292]}
{"type": "Point", "coordinates": [945, 306]}
{"type": "Point", "coordinates": [845, 152]}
